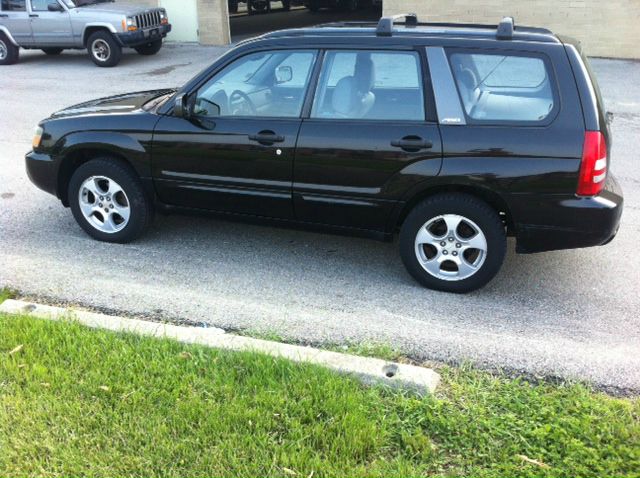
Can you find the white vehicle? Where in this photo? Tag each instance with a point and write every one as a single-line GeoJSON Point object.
{"type": "Point", "coordinates": [100, 26]}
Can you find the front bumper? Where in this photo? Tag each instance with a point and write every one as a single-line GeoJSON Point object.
{"type": "Point", "coordinates": [42, 171]}
{"type": "Point", "coordinates": [568, 222]}
{"type": "Point", "coordinates": [141, 37]}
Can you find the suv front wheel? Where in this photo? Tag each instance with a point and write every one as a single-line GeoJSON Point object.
{"type": "Point", "coordinates": [9, 53]}
{"type": "Point", "coordinates": [453, 242]}
{"type": "Point", "coordinates": [108, 201]}
{"type": "Point", "coordinates": [103, 49]}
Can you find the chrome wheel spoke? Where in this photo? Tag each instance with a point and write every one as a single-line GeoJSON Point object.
{"type": "Point", "coordinates": [452, 221]}
{"type": "Point", "coordinates": [123, 212]}
{"type": "Point", "coordinates": [464, 268]}
{"type": "Point", "coordinates": [476, 242]}
{"type": "Point", "coordinates": [426, 237]}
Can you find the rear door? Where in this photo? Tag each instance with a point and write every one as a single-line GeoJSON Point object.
{"type": "Point", "coordinates": [14, 16]}
{"type": "Point", "coordinates": [371, 127]}
{"type": "Point", "coordinates": [50, 28]}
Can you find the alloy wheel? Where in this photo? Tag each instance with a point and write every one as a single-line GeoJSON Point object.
{"type": "Point", "coordinates": [451, 247]}
{"type": "Point", "coordinates": [3, 50]}
{"type": "Point", "coordinates": [104, 204]}
{"type": "Point", "coordinates": [101, 50]}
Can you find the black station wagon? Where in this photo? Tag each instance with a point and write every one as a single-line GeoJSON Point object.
{"type": "Point", "coordinates": [455, 136]}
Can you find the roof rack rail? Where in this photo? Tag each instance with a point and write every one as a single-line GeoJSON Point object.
{"type": "Point", "coordinates": [385, 25]}
{"type": "Point", "coordinates": [505, 28]}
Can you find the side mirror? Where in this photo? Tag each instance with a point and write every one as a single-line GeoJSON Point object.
{"type": "Point", "coordinates": [54, 7]}
{"type": "Point", "coordinates": [284, 74]}
{"type": "Point", "coordinates": [180, 107]}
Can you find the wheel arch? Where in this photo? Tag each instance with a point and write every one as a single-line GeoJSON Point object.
{"type": "Point", "coordinates": [8, 34]}
{"type": "Point", "coordinates": [83, 147]}
{"type": "Point", "coordinates": [91, 28]}
{"type": "Point", "coordinates": [492, 198]}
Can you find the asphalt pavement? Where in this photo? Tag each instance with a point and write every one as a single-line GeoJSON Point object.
{"type": "Point", "coordinates": [572, 314]}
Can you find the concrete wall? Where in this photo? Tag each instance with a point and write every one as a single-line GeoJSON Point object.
{"type": "Point", "coordinates": [213, 20]}
{"type": "Point", "coordinates": [609, 28]}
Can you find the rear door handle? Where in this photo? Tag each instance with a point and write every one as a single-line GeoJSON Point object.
{"type": "Point", "coordinates": [412, 143]}
{"type": "Point", "coordinates": [33, 15]}
{"type": "Point", "coordinates": [4, 15]}
{"type": "Point", "coordinates": [266, 137]}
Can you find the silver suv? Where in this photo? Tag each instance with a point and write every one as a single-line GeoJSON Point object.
{"type": "Point", "coordinates": [100, 26]}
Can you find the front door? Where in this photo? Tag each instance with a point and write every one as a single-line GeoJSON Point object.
{"type": "Point", "coordinates": [50, 27]}
{"type": "Point", "coordinates": [235, 152]}
{"type": "Point", "coordinates": [14, 16]}
{"type": "Point", "coordinates": [366, 135]}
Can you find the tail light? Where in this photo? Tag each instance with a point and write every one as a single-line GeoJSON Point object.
{"type": "Point", "coordinates": [593, 170]}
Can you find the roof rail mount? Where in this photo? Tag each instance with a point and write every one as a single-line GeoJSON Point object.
{"type": "Point", "coordinates": [385, 25]}
{"type": "Point", "coordinates": [505, 28]}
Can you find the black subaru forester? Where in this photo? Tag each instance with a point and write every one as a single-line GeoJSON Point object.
{"type": "Point", "coordinates": [456, 136]}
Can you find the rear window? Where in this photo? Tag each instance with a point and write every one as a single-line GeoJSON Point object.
{"type": "Point", "coordinates": [504, 87]}
{"type": "Point", "coordinates": [13, 5]}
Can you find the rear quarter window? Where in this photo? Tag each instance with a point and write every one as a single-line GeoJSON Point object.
{"type": "Point", "coordinates": [13, 5]}
{"type": "Point", "coordinates": [504, 87]}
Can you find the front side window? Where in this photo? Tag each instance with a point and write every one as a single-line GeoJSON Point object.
{"type": "Point", "coordinates": [498, 87]}
{"type": "Point", "coordinates": [40, 5]}
{"type": "Point", "coordinates": [14, 6]}
{"type": "Point", "coordinates": [266, 84]}
{"type": "Point", "coordinates": [374, 85]}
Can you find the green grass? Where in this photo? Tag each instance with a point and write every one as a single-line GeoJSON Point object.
{"type": "Point", "coordinates": [80, 402]}
{"type": "Point", "coordinates": [6, 294]}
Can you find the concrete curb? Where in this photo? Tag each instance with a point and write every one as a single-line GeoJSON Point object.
{"type": "Point", "coordinates": [368, 370]}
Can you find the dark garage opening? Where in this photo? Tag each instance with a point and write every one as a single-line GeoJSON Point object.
{"type": "Point", "coordinates": [261, 16]}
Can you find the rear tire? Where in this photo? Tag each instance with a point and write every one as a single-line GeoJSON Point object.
{"type": "Point", "coordinates": [9, 53]}
{"type": "Point", "coordinates": [233, 6]}
{"type": "Point", "coordinates": [52, 51]}
{"type": "Point", "coordinates": [103, 49]}
{"type": "Point", "coordinates": [108, 201]}
{"type": "Point", "coordinates": [313, 6]}
{"type": "Point", "coordinates": [149, 49]}
{"type": "Point", "coordinates": [286, 5]}
{"type": "Point", "coordinates": [453, 242]}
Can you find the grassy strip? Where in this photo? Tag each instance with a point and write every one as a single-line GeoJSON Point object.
{"type": "Point", "coordinates": [6, 294]}
{"type": "Point", "coordinates": [75, 401]}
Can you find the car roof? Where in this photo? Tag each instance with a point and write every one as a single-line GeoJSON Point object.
{"type": "Point", "coordinates": [408, 27]}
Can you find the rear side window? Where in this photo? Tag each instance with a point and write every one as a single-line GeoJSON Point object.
{"type": "Point", "coordinates": [504, 88]}
{"type": "Point", "coordinates": [370, 85]}
{"type": "Point", "coordinates": [14, 5]}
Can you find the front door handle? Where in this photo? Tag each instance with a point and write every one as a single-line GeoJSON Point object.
{"type": "Point", "coordinates": [266, 138]}
{"type": "Point", "coordinates": [4, 15]}
{"type": "Point", "coordinates": [412, 143]}
{"type": "Point", "coordinates": [33, 15]}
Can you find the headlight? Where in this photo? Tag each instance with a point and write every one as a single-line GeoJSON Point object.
{"type": "Point", "coordinates": [129, 24]}
{"type": "Point", "coordinates": [37, 137]}
{"type": "Point", "coordinates": [164, 19]}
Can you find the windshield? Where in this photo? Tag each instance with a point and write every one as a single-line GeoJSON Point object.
{"type": "Point", "coordinates": [82, 3]}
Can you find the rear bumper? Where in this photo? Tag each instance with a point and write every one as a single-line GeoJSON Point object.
{"type": "Point", "coordinates": [567, 222]}
{"type": "Point", "coordinates": [141, 37]}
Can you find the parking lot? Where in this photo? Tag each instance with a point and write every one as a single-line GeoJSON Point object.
{"type": "Point", "coordinates": [572, 314]}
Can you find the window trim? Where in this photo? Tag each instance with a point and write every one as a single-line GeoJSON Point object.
{"type": "Point", "coordinates": [548, 64]}
{"type": "Point", "coordinates": [192, 93]}
{"type": "Point", "coordinates": [427, 118]}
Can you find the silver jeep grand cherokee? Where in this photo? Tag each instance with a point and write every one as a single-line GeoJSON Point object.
{"type": "Point", "coordinates": [100, 26]}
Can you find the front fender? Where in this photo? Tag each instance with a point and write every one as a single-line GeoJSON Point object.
{"type": "Point", "coordinates": [123, 145]}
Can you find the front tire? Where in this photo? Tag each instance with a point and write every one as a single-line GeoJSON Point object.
{"type": "Point", "coordinates": [149, 48]}
{"type": "Point", "coordinates": [52, 51]}
{"type": "Point", "coordinates": [9, 53]}
{"type": "Point", "coordinates": [108, 201]}
{"type": "Point", "coordinates": [103, 49]}
{"type": "Point", "coordinates": [453, 242]}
